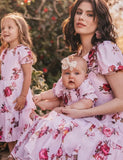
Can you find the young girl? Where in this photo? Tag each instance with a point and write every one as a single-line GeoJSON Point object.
{"type": "Point", "coordinates": [89, 31]}
{"type": "Point", "coordinates": [73, 89]}
{"type": "Point", "coordinates": [16, 67]}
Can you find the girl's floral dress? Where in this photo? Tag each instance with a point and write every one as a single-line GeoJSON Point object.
{"type": "Point", "coordinates": [13, 123]}
{"type": "Point", "coordinates": [58, 137]}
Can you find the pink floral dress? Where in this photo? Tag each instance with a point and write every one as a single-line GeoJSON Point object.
{"type": "Point", "coordinates": [58, 137]}
{"type": "Point", "coordinates": [13, 123]}
{"type": "Point", "coordinates": [70, 96]}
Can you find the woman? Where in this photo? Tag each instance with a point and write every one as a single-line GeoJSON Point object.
{"type": "Point", "coordinates": [89, 32]}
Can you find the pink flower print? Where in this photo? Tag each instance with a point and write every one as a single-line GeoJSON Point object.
{"type": "Point", "coordinates": [43, 131]}
{"type": "Point", "coordinates": [91, 63]}
{"type": "Point", "coordinates": [98, 146]}
{"type": "Point", "coordinates": [10, 131]}
{"type": "Point", "coordinates": [13, 84]}
{"type": "Point", "coordinates": [52, 157]}
{"type": "Point", "coordinates": [107, 131]}
{"type": "Point", "coordinates": [61, 125]}
{"type": "Point", "coordinates": [92, 127]}
{"type": "Point", "coordinates": [59, 153]}
{"type": "Point", "coordinates": [105, 149]}
{"type": "Point", "coordinates": [30, 54]}
{"type": "Point", "coordinates": [13, 120]}
{"type": "Point", "coordinates": [4, 54]}
{"type": "Point", "coordinates": [74, 124]}
{"type": "Point", "coordinates": [43, 154]}
{"type": "Point", "coordinates": [1, 133]}
{"type": "Point", "coordinates": [77, 92]}
{"type": "Point", "coordinates": [25, 127]}
{"type": "Point", "coordinates": [91, 53]}
{"type": "Point", "coordinates": [116, 146]}
{"type": "Point", "coordinates": [56, 134]}
{"type": "Point", "coordinates": [102, 151]}
{"type": "Point", "coordinates": [16, 72]}
{"type": "Point", "coordinates": [65, 99]}
{"type": "Point", "coordinates": [4, 108]}
{"type": "Point", "coordinates": [65, 131]}
{"type": "Point", "coordinates": [16, 76]}
{"type": "Point", "coordinates": [16, 124]}
{"type": "Point", "coordinates": [116, 117]}
{"type": "Point", "coordinates": [120, 67]}
{"type": "Point", "coordinates": [106, 87]}
{"type": "Point", "coordinates": [90, 131]}
{"type": "Point", "coordinates": [99, 156]}
{"type": "Point", "coordinates": [7, 91]}
{"type": "Point", "coordinates": [111, 68]}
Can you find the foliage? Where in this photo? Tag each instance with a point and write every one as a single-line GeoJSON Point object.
{"type": "Point", "coordinates": [38, 82]}
{"type": "Point", "coordinates": [45, 18]}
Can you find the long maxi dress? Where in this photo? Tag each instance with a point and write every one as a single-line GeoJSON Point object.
{"type": "Point", "coordinates": [57, 136]}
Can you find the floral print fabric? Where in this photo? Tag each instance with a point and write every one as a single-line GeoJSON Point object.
{"type": "Point", "coordinates": [57, 136]}
{"type": "Point", "coordinates": [13, 123]}
{"type": "Point", "coordinates": [70, 96]}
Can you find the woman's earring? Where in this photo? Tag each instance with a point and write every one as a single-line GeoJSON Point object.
{"type": "Point", "coordinates": [98, 34]}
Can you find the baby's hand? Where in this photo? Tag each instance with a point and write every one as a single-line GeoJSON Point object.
{"type": "Point", "coordinates": [20, 103]}
{"type": "Point", "coordinates": [37, 98]}
{"type": "Point", "coordinates": [33, 115]}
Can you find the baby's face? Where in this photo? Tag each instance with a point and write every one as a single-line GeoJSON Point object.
{"type": "Point", "coordinates": [72, 79]}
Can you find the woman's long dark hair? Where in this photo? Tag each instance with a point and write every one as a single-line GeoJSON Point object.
{"type": "Point", "coordinates": [104, 26]}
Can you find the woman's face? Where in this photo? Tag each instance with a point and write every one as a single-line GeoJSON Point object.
{"type": "Point", "coordinates": [84, 22]}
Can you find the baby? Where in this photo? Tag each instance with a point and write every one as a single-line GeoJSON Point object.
{"type": "Point", "coordinates": [72, 90]}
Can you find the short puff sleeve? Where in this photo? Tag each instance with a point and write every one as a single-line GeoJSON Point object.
{"type": "Point", "coordinates": [25, 55]}
{"type": "Point", "coordinates": [58, 88]}
{"type": "Point", "coordinates": [87, 91]}
{"type": "Point", "coordinates": [109, 57]}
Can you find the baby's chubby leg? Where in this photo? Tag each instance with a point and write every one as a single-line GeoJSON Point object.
{"type": "Point", "coordinates": [48, 104]}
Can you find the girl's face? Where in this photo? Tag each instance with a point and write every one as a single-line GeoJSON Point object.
{"type": "Point", "coordinates": [9, 32]}
{"type": "Point", "coordinates": [72, 79]}
{"type": "Point", "coordinates": [84, 22]}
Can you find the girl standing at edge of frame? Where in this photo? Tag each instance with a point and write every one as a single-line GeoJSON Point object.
{"type": "Point", "coordinates": [16, 69]}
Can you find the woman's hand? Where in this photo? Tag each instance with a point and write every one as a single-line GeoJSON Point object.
{"type": "Point", "coordinates": [73, 113]}
{"type": "Point", "coordinates": [20, 103]}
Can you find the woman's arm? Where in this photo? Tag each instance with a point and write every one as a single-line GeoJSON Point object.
{"type": "Point", "coordinates": [116, 105]}
{"type": "Point", "coordinates": [82, 104]}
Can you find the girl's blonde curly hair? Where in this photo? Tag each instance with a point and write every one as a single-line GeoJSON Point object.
{"type": "Point", "coordinates": [23, 28]}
